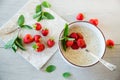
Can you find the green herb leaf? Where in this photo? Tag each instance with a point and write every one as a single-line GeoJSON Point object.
{"type": "Point", "coordinates": [46, 4]}
{"type": "Point", "coordinates": [19, 44]}
{"type": "Point", "coordinates": [14, 47]}
{"type": "Point", "coordinates": [36, 15]}
{"type": "Point", "coordinates": [48, 15]}
{"type": "Point", "coordinates": [50, 68]}
{"type": "Point", "coordinates": [64, 44]}
{"type": "Point", "coordinates": [21, 20]}
{"type": "Point", "coordinates": [40, 18]}
{"type": "Point", "coordinates": [65, 34]}
{"type": "Point", "coordinates": [38, 8]}
{"type": "Point", "coordinates": [26, 27]}
{"type": "Point", "coordinates": [70, 39]}
{"type": "Point", "coordinates": [66, 31]}
{"type": "Point", "coordinates": [10, 43]}
{"type": "Point", "coordinates": [66, 74]}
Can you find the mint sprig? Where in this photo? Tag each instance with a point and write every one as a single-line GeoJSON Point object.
{"type": "Point", "coordinates": [40, 14]}
{"type": "Point", "coordinates": [15, 43]}
{"type": "Point", "coordinates": [21, 21]}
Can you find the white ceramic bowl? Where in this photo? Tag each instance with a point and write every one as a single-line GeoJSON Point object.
{"type": "Point", "coordinates": [94, 39]}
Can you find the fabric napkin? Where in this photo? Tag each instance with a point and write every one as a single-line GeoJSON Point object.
{"type": "Point", "coordinates": [55, 26]}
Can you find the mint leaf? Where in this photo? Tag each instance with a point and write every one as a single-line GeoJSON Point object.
{"type": "Point", "coordinates": [40, 18]}
{"type": "Point", "coordinates": [38, 8]}
{"type": "Point", "coordinates": [50, 68]}
{"type": "Point", "coordinates": [48, 15]}
{"type": "Point", "coordinates": [46, 4]}
{"type": "Point", "coordinates": [64, 44]}
{"type": "Point", "coordinates": [65, 38]}
{"type": "Point", "coordinates": [21, 20]}
{"type": "Point", "coordinates": [26, 27]}
{"type": "Point", "coordinates": [66, 74]}
{"type": "Point", "coordinates": [19, 44]}
{"type": "Point", "coordinates": [14, 47]}
{"type": "Point", "coordinates": [36, 15]}
{"type": "Point", "coordinates": [66, 30]}
{"type": "Point", "coordinates": [10, 43]}
{"type": "Point", "coordinates": [71, 39]}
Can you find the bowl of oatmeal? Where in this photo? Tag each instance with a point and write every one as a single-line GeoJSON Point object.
{"type": "Point", "coordinates": [73, 51]}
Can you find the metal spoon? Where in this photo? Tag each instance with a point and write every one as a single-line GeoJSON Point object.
{"type": "Point", "coordinates": [105, 63]}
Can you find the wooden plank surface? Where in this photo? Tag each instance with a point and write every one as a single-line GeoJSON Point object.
{"type": "Point", "coordinates": [14, 67]}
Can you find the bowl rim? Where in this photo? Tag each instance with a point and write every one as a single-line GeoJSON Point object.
{"type": "Point", "coordinates": [75, 65]}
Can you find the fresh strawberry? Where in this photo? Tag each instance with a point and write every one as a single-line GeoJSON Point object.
{"type": "Point", "coordinates": [69, 43]}
{"type": "Point", "coordinates": [74, 46]}
{"type": "Point", "coordinates": [80, 36]}
{"type": "Point", "coordinates": [50, 43]}
{"type": "Point", "coordinates": [37, 26]}
{"type": "Point", "coordinates": [27, 39]}
{"type": "Point", "coordinates": [81, 43]}
{"type": "Point", "coordinates": [74, 35]}
{"type": "Point", "coordinates": [39, 47]}
{"type": "Point", "coordinates": [94, 21]}
{"type": "Point", "coordinates": [80, 16]}
{"type": "Point", "coordinates": [37, 38]}
{"type": "Point", "coordinates": [45, 32]}
{"type": "Point", "coordinates": [110, 43]}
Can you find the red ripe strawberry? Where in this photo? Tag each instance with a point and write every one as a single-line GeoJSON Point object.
{"type": "Point", "coordinates": [69, 43]}
{"type": "Point", "coordinates": [80, 36]}
{"type": "Point", "coordinates": [94, 21]}
{"type": "Point", "coordinates": [45, 32]}
{"type": "Point", "coordinates": [50, 43]}
{"type": "Point", "coordinates": [37, 38]}
{"type": "Point", "coordinates": [74, 35]}
{"type": "Point", "coordinates": [37, 26]}
{"type": "Point", "coordinates": [80, 16]}
{"type": "Point", "coordinates": [27, 39]}
{"type": "Point", "coordinates": [81, 43]}
{"type": "Point", "coordinates": [75, 46]}
{"type": "Point", "coordinates": [110, 43]}
{"type": "Point", "coordinates": [39, 47]}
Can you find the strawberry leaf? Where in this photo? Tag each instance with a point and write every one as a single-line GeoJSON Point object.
{"type": "Point", "coordinates": [46, 4]}
{"type": "Point", "coordinates": [66, 74]}
{"type": "Point", "coordinates": [34, 46]}
{"type": "Point", "coordinates": [50, 68]}
{"type": "Point", "coordinates": [38, 8]}
{"type": "Point", "coordinates": [21, 20]}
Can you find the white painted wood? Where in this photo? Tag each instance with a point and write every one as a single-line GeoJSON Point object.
{"type": "Point", "coordinates": [14, 67]}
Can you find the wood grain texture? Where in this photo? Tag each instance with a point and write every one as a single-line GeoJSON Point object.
{"type": "Point", "coordinates": [14, 67]}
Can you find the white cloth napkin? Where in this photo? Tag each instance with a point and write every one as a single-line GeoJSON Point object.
{"type": "Point", "coordinates": [55, 26]}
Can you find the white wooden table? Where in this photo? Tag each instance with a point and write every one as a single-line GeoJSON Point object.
{"type": "Point", "coordinates": [14, 67]}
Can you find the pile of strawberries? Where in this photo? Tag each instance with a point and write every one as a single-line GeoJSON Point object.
{"type": "Point", "coordinates": [78, 41]}
{"type": "Point", "coordinates": [39, 45]}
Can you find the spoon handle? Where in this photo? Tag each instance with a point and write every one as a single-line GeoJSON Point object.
{"type": "Point", "coordinates": [105, 63]}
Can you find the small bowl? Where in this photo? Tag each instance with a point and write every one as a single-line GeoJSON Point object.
{"type": "Point", "coordinates": [95, 42]}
